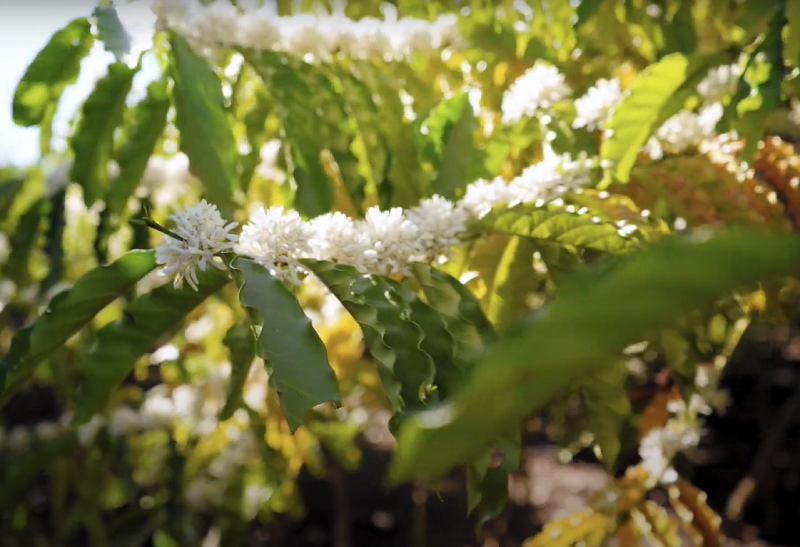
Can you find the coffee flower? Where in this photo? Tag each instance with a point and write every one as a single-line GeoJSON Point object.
{"type": "Point", "coordinates": [202, 234]}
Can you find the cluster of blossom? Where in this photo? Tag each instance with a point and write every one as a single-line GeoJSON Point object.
{"type": "Point", "coordinates": [534, 93]}
{"type": "Point", "coordinates": [312, 37]}
{"type": "Point", "coordinates": [540, 88]}
{"type": "Point", "coordinates": [383, 242]}
{"type": "Point", "coordinates": [681, 432]}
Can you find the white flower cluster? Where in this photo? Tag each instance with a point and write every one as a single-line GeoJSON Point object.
{"type": "Point", "coordinates": [542, 181]}
{"type": "Point", "coordinates": [535, 92]}
{"type": "Point", "coordinates": [203, 235]}
{"type": "Point", "coordinates": [314, 38]}
{"type": "Point", "coordinates": [597, 105]}
{"type": "Point", "coordinates": [383, 242]}
{"type": "Point", "coordinates": [719, 83]}
{"type": "Point", "coordinates": [661, 445]}
{"type": "Point", "coordinates": [684, 131]}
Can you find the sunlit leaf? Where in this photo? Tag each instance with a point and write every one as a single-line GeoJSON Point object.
{"type": "Point", "coordinates": [55, 67]}
{"type": "Point", "coordinates": [557, 224]}
{"type": "Point", "coordinates": [634, 119]}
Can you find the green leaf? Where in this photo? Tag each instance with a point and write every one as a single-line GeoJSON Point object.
{"type": "Point", "coordinates": [148, 120]}
{"type": "Point", "coordinates": [394, 339]}
{"type": "Point", "coordinates": [791, 49]}
{"type": "Point", "coordinates": [634, 119]}
{"type": "Point", "coordinates": [514, 280]}
{"type": "Point", "coordinates": [22, 242]}
{"type": "Point", "coordinates": [298, 362]}
{"type": "Point", "coordinates": [558, 224]}
{"type": "Point", "coordinates": [450, 128]}
{"type": "Point", "coordinates": [11, 183]}
{"type": "Point", "coordinates": [754, 16]}
{"type": "Point", "coordinates": [93, 141]}
{"type": "Point", "coordinates": [283, 80]}
{"type": "Point", "coordinates": [461, 312]}
{"type": "Point", "coordinates": [242, 350]}
{"type": "Point", "coordinates": [254, 120]}
{"type": "Point", "coordinates": [608, 408]}
{"type": "Point", "coordinates": [56, 66]}
{"type": "Point", "coordinates": [111, 32]}
{"type": "Point", "coordinates": [206, 134]}
{"type": "Point", "coordinates": [406, 183]}
{"type": "Point", "coordinates": [487, 486]}
{"type": "Point", "coordinates": [72, 310]}
{"type": "Point", "coordinates": [595, 316]}
{"type": "Point", "coordinates": [680, 35]}
{"type": "Point", "coordinates": [756, 108]}
{"type": "Point", "coordinates": [119, 345]}
{"type": "Point", "coordinates": [586, 10]}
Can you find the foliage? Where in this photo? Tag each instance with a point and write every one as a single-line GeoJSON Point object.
{"type": "Point", "coordinates": [451, 217]}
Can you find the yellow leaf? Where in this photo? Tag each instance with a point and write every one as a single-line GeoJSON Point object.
{"type": "Point", "coordinates": [655, 523]}
{"type": "Point", "coordinates": [587, 526]}
{"type": "Point", "coordinates": [696, 510]}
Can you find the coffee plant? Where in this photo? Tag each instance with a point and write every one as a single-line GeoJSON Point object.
{"type": "Point", "coordinates": [314, 216]}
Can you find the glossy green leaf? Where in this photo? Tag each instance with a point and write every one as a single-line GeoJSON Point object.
{"type": "Point", "coordinates": [148, 120]}
{"type": "Point", "coordinates": [111, 32]}
{"type": "Point", "coordinates": [461, 311]}
{"type": "Point", "coordinates": [242, 350]}
{"type": "Point", "coordinates": [56, 66]}
{"type": "Point", "coordinates": [633, 121]}
{"type": "Point", "coordinates": [553, 223]}
{"type": "Point", "coordinates": [73, 309]}
{"type": "Point", "coordinates": [385, 318]}
{"type": "Point", "coordinates": [93, 141]}
{"type": "Point", "coordinates": [594, 317]}
{"type": "Point", "coordinates": [296, 357]}
{"type": "Point", "coordinates": [119, 345]}
{"type": "Point", "coordinates": [206, 134]}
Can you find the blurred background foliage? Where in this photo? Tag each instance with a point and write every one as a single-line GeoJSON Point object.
{"type": "Point", "coordinates": [179, 437]}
